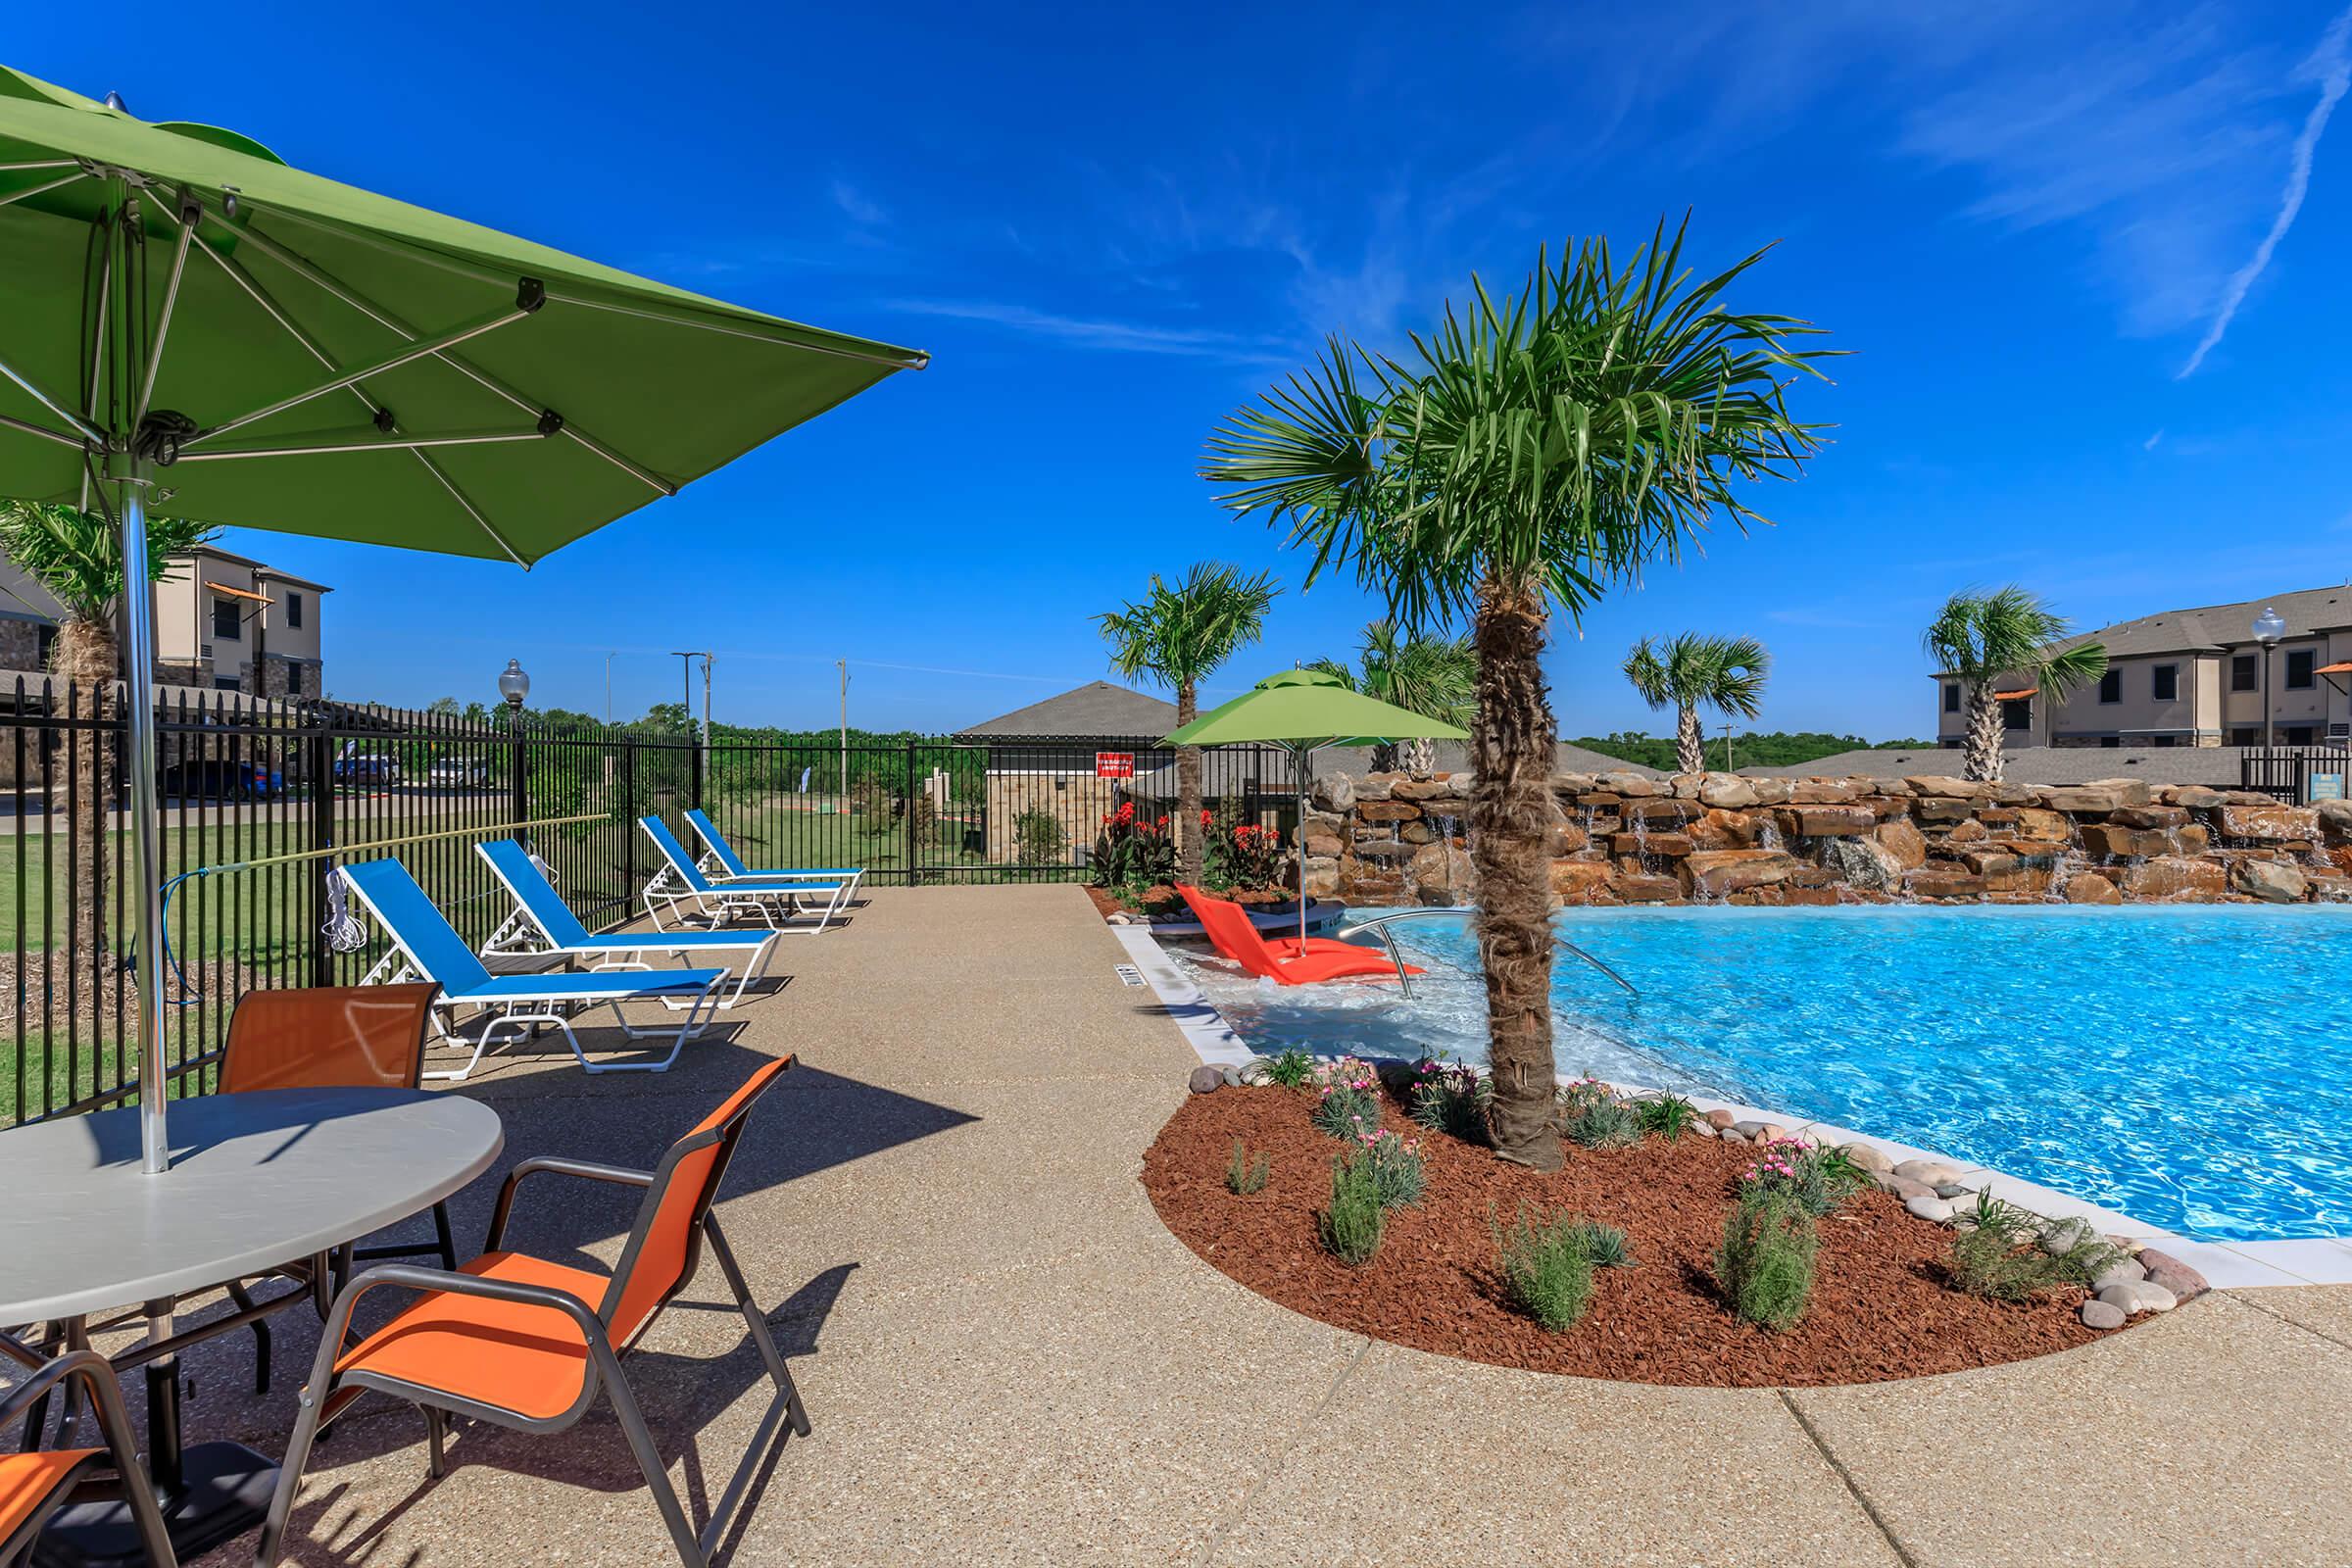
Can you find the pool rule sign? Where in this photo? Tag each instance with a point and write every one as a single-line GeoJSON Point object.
{"type": "Point", "coordinates": [1114, 765]}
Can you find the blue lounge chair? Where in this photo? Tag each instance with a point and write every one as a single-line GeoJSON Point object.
{"type": "Point", "coordinates": [426, 948]}
{"type": "Point", "coordinates": [682, 888]}
{"type": "Point", "coordinates": [542, 922]}
{"type": "Point", "coordinates": [721, 864]}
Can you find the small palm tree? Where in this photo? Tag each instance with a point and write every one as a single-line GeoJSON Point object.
{"type": "Point", "coordinates": [1434, 676]}
{"type": "Point", "coordinates": [1689, 672]}
{"type": "Point", "coordinates": [1985, 637]}
{"type": "Point", "coordinates": [1177, 636]}
{"type": "Point", "coordinates": [77, 556]}
{"type": "Point", "coordinates": [1532, 451]}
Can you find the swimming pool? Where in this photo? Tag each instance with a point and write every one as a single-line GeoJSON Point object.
{"type": "Point", "coordinates": [2181, 1063]}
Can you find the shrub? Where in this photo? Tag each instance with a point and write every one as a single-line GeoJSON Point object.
{"type": "Point", "coordinates": [1603, 1244]}
{"type": "Point", "coordinates": [1668, 1115]}
{"type": "Point", "coordinates": [1133, 852]}
{"type": "Point", "coordinates": [1347, 1103]}
{"type": "Point", "coordinates": [1248, 1172]}
{"type": "Point", "coordinates": [1350, 1227]}
{"type": "Point", "coordinates": [1604, 1124]}
{"type": "Point", "coordinates": [1290, 1068]}
{"type": "Point", "coordinates": [1240, 854]}
{"type": "Point", "coordinates": [1818, 1179]}
{"type": "Point", "coordinates": [1396, 1169]}
{"type": "Point", "coordinates": [1546, 1271]}
{"type": "Point", "coordinates": [1581, 1094]}
{"type": "Point", "coordinates": [1765, 1264]}
{"type": "Point", "coordinates": [1038, 837]}
{"type": "Point", "coordinates": [1998, 1253]}
{"type": "Point", "coordinates": [1451, 1099]}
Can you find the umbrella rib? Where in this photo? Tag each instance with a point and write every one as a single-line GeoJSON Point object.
{"type": "Point", "coordinates": [310, 273]}
{"type": "Point", "coordinates": [35, 190]}
{"type": "Point", "coordinates": [81, 426]}
{"type": "Point", "coordinates": [458, 494]}
{"type": "Point", "coordinates": [391, 361]}
{"type": "Point", "coordinates": [163, 326]}
{"type": "Point", "coordinates": [356, 441]}
{"type": "Point", "coordinates": [41, 430]}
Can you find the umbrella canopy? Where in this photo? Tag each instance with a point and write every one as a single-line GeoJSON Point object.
{"type": "Point", "coordinates": [1301, 709]}
{"type": "Point", "coordinates": [189, 324]}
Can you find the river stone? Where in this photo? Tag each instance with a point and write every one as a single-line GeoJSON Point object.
{"type": "Point", "coordinates": [1953, 1189]}
{"type": "Point", "coordinates": [2102, 1315]}
{"type": "Point", "coordinates": [1867, 1156]}
{"type": "Point", "coordinates": [2272, 881]}
{"type": "Point", "coordinates": [2123, 1271]}
{"type": "Point", "coordinates": [2063, 1236]}
{"type": "Point", "coordinates": [1902, 1187]}
{"type": "Point", "coordinates": [1750, 1130]}
{"type": "Point", "coordinates": [2164, 1269]}
{"type": "Point", "coordinates": [1930, 1208]}
{"type": "Point", "coordinates": [1719, 1118]}
{"type": "Point", "coordinates": [1207, 1080]}
{"type": "Point", "coordinates": [1928, 1172]}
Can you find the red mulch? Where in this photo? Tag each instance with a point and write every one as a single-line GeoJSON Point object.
{"type": "Point", "coordinates": [1880, 1306]}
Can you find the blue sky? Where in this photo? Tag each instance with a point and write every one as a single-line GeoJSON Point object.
{"type": "Point", "coordinates": [2091, 261]}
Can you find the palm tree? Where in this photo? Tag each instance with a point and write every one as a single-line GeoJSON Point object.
{"type": "Point", "coordinates": [1434, 676]}
{"type": "Point", "coordinates": [1530, 452]}
{"type": "Point", "coordinates": [77, 556]}
{"type": "Point", "coordinates": [1690, 672]}
{"type": "Point", "coordinates": [1982, 637]}
{"type": "Point", "coordinates": [1177, 636]}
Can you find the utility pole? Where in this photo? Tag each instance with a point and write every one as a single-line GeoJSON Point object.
{"type": "Point", "coordinates": [607, 691]}
{"type": "Point", "coordinates": [708, 658]}
{"type": "Point", "coordinates": [686, 708]}
{"type": "Point", "coordinates": [1726, 747]}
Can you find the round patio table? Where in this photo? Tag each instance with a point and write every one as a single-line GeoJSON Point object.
{"type": "Point", "coordinates": [256, 1180]}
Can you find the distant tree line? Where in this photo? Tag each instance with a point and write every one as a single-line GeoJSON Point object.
{"type": "Point", "coordinates": [1768, 749]}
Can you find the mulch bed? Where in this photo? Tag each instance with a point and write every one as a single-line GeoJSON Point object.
{"type": "Point", "coordinates": [1880, 1306]}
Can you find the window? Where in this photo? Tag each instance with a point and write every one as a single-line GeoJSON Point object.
{"type": "Point", "coordinates": [2111, 686]}
{"type": "Point", "coordinates": [2111, 742]}
{"type": "Point", "coordinates": [2165, 683]}
{"type": "Point", "coordinates": [2301, 664]}
{"type": "Point", "coordinates": [1951, 697]}
{"type": "Point", "coordinates": [2246, 673]}
{"type": "Point", "coordinates": [2246, 735]}
{"type": "Point", "coordinates": [2296, 734]}
{"type": "Point", "coordinates": [228, 623]}
{"type": "Point", "coordinates": [228, 683]}
{"type": "Point", "coordinates": [294, 609]}
{"type": "Point", "coordinates": [2018, 713]}
{"type": "Point", "coordinates": [2167, 739]}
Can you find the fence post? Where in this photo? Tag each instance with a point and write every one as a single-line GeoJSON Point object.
{"type": "Point", "coordinates": [914, 864]}
{"type": "Point", "coordinates": [628, 820]}
{"type": "Point", "coordinates": [319, 749]}
{"type": "Point", "coordinates": [522, 784]}
{"type": "Point", "coordinates": [693, 757]}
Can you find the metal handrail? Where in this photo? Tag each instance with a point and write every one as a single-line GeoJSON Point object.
{"type": "Point", "coordinates": [1381, 925]}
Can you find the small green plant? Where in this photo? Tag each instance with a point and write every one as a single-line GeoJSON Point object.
{"type": "Point", "coordinates": [1350, 1227]}
{"type": "Point", "coordinates": [1604, 1124]}
{"type": "Point", "coordinates": [1451, 1098]}
{"type": "Point", "coordinates": [1397, 1173]}
{"type": "Point", "coordinates": [1765, 1264]}
{"type": "Point", "coordinates": [1248, 1172]}
{"type": "Point", "coordinates": [1667, 1115]}
{"type": "Point", "coordinates": [1998, 1252]}
{"type": "Point", "coordinates": [1818, 1179]}
{"type": "Point", "coordinates": [1605, 1244]}
{"type": "Point", "coordinates": [1290, 1068]}
{"type": "Point", "coordinates": [1546, 1271]}
{"type": "Point", "coordinates": [1581, 1094]}
{"type": "Point", "coordinates": [1348, 1098]}
{"type": "Point", "coordinates": [1039, 839]}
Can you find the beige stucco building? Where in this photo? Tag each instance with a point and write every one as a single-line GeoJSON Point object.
{"type": "Point", "coordinates": [223, 622]}
{"type": "Point", "coordinates": [2192, 677]}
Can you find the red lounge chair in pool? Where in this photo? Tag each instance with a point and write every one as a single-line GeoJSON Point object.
{"type": "Point", "coordinates": [1286, 960]}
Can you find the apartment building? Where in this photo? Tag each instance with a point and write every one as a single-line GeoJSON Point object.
{"type": "Point", "coordinates": [2192, 677]}
{"type": "Point", "coordinates": [223, 622]}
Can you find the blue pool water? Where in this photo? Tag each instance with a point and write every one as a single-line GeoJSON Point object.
{"type": "Point", "coordinates": [2184, 1064]}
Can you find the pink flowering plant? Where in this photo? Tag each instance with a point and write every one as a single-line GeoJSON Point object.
{"type": "Point", "coordinates": [1815, 1177]}
{"type": "Point", "coordinates": [1451, 1098]}
{"type": "Point", "coordinates": [1347, 1097]}
{"type": "Point", "coordinates": [1397, 1174]}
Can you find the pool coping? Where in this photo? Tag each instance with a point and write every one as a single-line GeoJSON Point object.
{"type": "Point", "coordinates": [2225, 1265]}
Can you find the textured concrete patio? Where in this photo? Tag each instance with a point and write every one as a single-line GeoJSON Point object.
{"type": "Point", "coordinates": [1008, 1360]}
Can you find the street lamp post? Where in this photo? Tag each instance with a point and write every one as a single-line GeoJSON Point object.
{"type": "Point", "coordinates": [2269, 627]}
{"type": "Point", "coordinates": [513, 685]}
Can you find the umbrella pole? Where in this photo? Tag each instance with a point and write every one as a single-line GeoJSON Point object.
{"type": "Point", "coordinates": [139, 730]}
{"type": "Point", "coordinates": [1300, 755]}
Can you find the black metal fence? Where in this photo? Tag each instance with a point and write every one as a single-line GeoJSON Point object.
{"type": "Point", "coordinates": [252, 792]}
{"type": "Point", "coordinates": [2292, 774]}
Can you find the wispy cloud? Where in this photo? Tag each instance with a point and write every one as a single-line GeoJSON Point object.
{"type": "Point", "coordinates": [2150, 444]}
{"type": "Point", "coordinates": [2330, 66]}
{"type": "Point", "coordinates": [1132, 337]}
{"type": "Point", "coordinates": [860, 208]}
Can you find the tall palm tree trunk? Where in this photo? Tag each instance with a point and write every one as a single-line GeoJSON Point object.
{"type": "Point", "coordinates": [1981, 758]}
{"type": "Point", "coordinates": [1690, 741]}
{"type": "Point", "coordinates": [1419, 755]}
{"type": "Point", "coordinates": [85, 657]}
{"type": "Point", "coordinates": [1187, 791]}
{"type": "Point", "coordinates": [1511, 805]}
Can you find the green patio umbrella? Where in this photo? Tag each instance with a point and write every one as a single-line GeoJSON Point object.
{"type": "Point", "coordinates": [1298, 710]}
{"type": "Point", "coordinates": [188, 324]}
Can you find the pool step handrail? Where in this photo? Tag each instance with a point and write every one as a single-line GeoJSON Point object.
{"type": "Point", "coordinates": [1381, 925]}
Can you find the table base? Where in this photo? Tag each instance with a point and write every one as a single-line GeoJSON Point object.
{"type": "Point", "coordinates": [224, 1492]}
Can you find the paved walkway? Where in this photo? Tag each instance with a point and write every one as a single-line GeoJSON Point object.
{"type": "Point", "coordinates": [1008, 1360]}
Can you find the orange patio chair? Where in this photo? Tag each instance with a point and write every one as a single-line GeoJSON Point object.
{"type": "Point", "coordinates": [1285, 959]}
{"type": "Point", "coordinates": [35, 1483]}
{"type": "Point", "coordinates": [528, 1343]}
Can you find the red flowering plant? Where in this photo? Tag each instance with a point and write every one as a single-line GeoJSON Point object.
{"type": "Point", "coordinates": [1132, 852]}
{"type": "Point", "coordinates": [1242, 854]}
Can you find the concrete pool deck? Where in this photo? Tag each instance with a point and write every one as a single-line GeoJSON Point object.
{"type": "Point", "coordinates": [1008, 1359]}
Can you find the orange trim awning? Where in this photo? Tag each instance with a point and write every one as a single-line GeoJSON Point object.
{"type": "Point", "coordinates": [240, 593]}
{"type": "Point", "coordinates": [2334, 669]}
{"type": "Point", "coordinates": [2011, 697]}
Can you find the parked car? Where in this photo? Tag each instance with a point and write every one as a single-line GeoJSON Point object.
{"type": "Point", "coordinates": [220, 780]}
{"type": "Point", "coordinates": [458, 773]}
{"type": "Point", "coordinates": [367, 767]}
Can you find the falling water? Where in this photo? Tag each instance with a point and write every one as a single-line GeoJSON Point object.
{"type": "Point", "coordinates": [1767, 835]}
